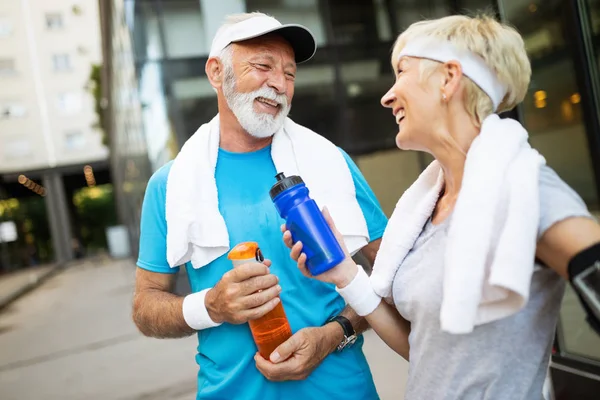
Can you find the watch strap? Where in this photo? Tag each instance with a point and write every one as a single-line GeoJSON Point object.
{"type": "Point", "coordinates": [349, 332]}
{"type": "Point", "coordinates": [346, 325]}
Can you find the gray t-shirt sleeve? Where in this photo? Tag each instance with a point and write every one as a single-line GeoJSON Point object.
{"type": "Point", "coordinates": [558, 201]}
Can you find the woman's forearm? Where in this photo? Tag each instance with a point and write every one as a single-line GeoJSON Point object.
{"type": "Point", "coordinates": [354, 285]}
{"type": "Point", "coordinates": [391, 328]}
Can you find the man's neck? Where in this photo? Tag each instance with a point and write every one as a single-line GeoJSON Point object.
{"type": "Point", "coordinates": [235, 139]}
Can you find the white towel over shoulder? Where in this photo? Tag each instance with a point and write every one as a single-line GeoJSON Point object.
{"type": "Point", "coordinates": [491, 245]}
{"type": "Point", "coordinates": [196, 230]}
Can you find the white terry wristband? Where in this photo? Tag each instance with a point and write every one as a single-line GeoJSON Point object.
{"type": "Point", "coordinates": [359, 294]}
{"type": "Point", "coordinates": [195, 312]}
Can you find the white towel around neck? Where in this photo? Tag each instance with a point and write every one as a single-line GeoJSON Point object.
{"type": "Point", "coordinates": [489, 257]}
{"type": "Point", "coordinates": [196, 229]}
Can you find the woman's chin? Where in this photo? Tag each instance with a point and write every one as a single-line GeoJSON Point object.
{"type": "Point", "coordinates": [402, 141]}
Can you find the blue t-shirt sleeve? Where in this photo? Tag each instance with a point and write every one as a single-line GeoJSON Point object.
{"type": "Point", "coordinates": [376, 219]}
{"type": "Point", "coordinates": [153, 225]}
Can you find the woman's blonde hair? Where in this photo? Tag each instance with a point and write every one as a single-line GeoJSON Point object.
{"type": "Point", "coordinates": [500, 46]}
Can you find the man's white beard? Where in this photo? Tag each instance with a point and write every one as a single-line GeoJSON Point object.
{"type": "Point", "coordinates": [259, 125]}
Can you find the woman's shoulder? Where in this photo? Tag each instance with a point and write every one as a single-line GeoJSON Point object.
{"type": "Point", "coordinates": [558, 200]}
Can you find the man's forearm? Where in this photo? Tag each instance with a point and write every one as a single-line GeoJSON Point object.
{"type": "Point", "coordinates": [359, 323]}
{"type": "Point", "coordinates": [336, 334]}
{"type": "Point", "coordinates": [159, 314]}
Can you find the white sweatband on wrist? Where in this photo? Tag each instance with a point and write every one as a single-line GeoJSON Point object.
{"type": "Point", "coordinates": [195, 312]}
{"type": "Point", "coordinates": [359, 294]}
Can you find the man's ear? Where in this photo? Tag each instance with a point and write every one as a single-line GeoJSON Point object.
{"type": "Point", "coordinates": [214, 71]}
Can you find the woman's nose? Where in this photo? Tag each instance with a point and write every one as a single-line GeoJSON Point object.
{"type": "Point", "coordinates": [388, 99]}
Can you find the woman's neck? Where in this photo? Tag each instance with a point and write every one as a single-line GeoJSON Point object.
{"type": "Point", "coordinates": [451, 153]}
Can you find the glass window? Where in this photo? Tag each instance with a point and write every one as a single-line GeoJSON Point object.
{"type": "Point", "coordinates": [6, 27]}
{"type": "Point", "coordinates": [469, 7]}
{"type": "Point", "coordinates": [184, 29]}
{"type": "Point", "coordinates": [408, 12]}
{"type": "Point", "coordinates": [553, 116]}
{"type": "Point", "coordinates": [9, 110]}
{"type": "Point", "coordinates": [304, 12]}
{"type": "Point", "coordinates": [61, 62]}
{"type": "Point", "coordinates": [552, 110]}
{"type": "Point", "coordinates": [365, 32]}
{"type": "Point", "coordinates": [7, 66]}
{"type": "Point", "coordinates": [74, 139]}
{"type": "Point", "coordinates": [54, 21]}
{"type": "Point", "coordinates": [69, 103]}
{"type": "Point", "coordinates": [577, 337]}
{"type": "Point", "coordinates": [146, 31]}
{"type": "Point", "coordinates": [593, 14]}
{"type": "Point", "coordinates": [358, 22]}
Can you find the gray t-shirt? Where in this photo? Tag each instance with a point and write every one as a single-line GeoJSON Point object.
{"type": "Point", "coordinates": [504, 359]}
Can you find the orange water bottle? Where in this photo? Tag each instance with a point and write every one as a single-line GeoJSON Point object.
{"type": "Point", "coordinates": [273, 328]}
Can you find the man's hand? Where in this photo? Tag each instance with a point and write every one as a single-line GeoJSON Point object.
{"type": "Point", "coordinates": [245, 293]}
{"type": "Point", "coordinates": [296, 358]}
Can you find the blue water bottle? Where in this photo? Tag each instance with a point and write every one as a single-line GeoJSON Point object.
{"type": "Point", "coordinates": [306, 223]}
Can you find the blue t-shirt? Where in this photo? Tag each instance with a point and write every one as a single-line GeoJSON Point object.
{"type": "Point", "coordinates": [225, 353]}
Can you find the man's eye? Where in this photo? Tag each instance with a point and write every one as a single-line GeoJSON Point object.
{"type": "Point", "coordinates": [264, 66]}
{"type": "Point", "coordinates": [399, 71]}
{"type": "Point", "coordinates": [291, 75]}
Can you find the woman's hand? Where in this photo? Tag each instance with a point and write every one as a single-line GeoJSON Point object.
{"type": "Point", "coordinates": [341, 275]}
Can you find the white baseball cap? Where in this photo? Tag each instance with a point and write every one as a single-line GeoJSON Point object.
{"type": "Point", "coordinates": [300, 38]}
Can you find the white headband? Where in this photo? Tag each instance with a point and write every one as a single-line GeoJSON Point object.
{"type": "Point", "coordinates": [472, 65]}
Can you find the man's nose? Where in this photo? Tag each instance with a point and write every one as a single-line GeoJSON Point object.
{"type": "Point", "coordinates": [277, 81]}
{"type": "Point", "coordinates": [388, 99]}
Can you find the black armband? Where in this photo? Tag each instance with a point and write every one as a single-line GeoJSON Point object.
{"type": "Point", "coordinates": [584, 275]}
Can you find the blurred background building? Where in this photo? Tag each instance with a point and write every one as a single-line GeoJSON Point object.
{"type": "Point", "coordinates": [54, 204]}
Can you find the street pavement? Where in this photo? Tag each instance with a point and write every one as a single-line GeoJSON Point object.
{"type": "Point", "coordinates": [15, 284]}
{"type": "Point", "coordinates": [72, 338]}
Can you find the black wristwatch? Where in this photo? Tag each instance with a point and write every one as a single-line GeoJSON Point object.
{"type": "Point", "coordinates": [349, 333]}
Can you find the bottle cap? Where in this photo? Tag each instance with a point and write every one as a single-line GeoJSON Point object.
{"type": "Point", "coordinates": [283, 183]}
{"type": "Point", "coordinates": [246, 251]}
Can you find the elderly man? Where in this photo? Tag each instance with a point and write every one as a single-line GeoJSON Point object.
{"type": "Point", "coordinates": [215, 194]}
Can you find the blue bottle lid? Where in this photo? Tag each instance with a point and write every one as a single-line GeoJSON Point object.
{"type": "Point", "coordinates": [283, 183]}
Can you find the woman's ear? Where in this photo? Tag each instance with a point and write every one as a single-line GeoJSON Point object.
{"type": "Point", "coordinates": [451, 77]}
{"type": "Point", "coordinates": [214, 71]}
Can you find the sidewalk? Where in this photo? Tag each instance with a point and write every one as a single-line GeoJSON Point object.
{"type": "Point", "coordinates": [73, 337]}
{"type": "Point", "coordinates": [15, 284]}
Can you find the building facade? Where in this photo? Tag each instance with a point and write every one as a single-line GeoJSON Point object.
{"type": "Point", "coordinates": [50, 59]}
{"type": "Point", "coordinates": [338, 92]}
{"type": "Point", "coordinates": [47, 110]}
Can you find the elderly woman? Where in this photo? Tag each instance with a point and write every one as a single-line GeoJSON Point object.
{"type": "Point", "coordinates": [473, 263]}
